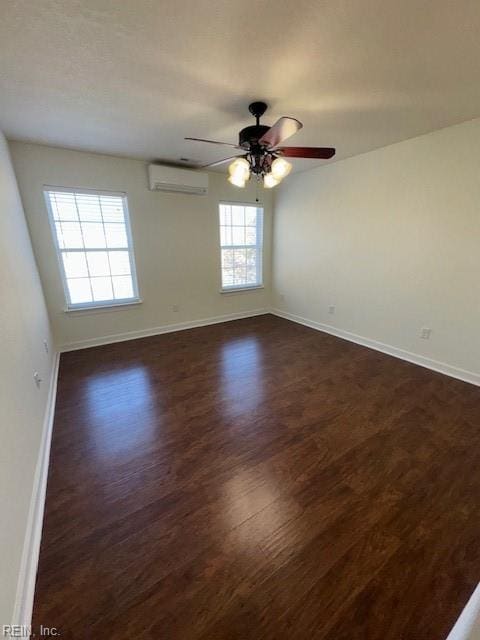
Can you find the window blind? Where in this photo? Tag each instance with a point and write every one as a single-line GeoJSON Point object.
{"type": "Point", "coordinates": [241, 245]}
{"type": "Point", "coordinates": [93, 240]}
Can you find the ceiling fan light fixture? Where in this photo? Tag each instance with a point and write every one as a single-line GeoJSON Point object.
{"type": "Point", "coordinates": [240, 168]}
{"type": "Point", "coordinates": [280, 168]}
{"type": "Point", "coordinates": [269, 181]}
{"type": "Point", "coordinates": [237, 180]}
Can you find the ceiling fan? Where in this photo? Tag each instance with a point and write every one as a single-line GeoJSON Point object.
{"type": "Point", "coordinates": [262, 156]}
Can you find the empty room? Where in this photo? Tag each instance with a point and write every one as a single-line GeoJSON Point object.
{"type": "Point", "coordinates": [240, 317]}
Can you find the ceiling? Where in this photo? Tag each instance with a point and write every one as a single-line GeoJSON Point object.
{"type": "Point", "coordinates": [135, 77]}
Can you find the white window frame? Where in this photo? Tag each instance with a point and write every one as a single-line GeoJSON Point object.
{"type": "Point", "coordinates": [135, 299]}
{"type": "Point", "coordinates": [258, 246]}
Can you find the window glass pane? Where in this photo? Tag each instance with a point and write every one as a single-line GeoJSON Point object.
{"type": "Point", "coordinates": [69, 235]}
{"type": "Point", "coordinates": [227, 277]}
{"type": "Point", "coordinates": [75, 264]}
{"type": "Point", "coordinates": [227, 258]}
{"type": "Point", "coordinates": [251, 216]}
{"type": "Point", "coordinates": [251, 275]}
{"type": "Point", "coordinates": [102, 288]}
{"type": "Point", "coordinates": [240, 257]}
{"type": "Point", "coordinates": [122, 286]}
{"type": "Point", "coordinates": [251, 256]}
{"type": "Point", "coordinates": [239, 275]}
{"type": "Point", "coordinates": [250, 235]}
{"type": "Point", "coordinates": [93, 235]}
{"type": "Point", "coordinates": [238, 216]}
{"type": "Point", "coordinates": [238, 235]}
{"type": "Point", "coordinates": [79, 289]}
{"type": "Point", "coordinates": [119, 262]}
{"type": "Point", "coordinates": [112, 209]}
{"type": "Point", "coordinates": [64, 207]}
{"type": "Point", "coordinates": [226, 236]}
{"type": "Point", "coordinates": [239, 266]}
{"type": "Point", "coordinates": [98, 263]}
{"type": "Point", "coordinates": [88, 208]}
{"type": "Point", "coordinates": [116, 235]}
{"type": "Point", "coordinates": [225, 215]}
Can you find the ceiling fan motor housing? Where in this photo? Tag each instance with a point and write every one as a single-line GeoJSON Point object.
{"type": "Point", "coordinates": [249, 136]}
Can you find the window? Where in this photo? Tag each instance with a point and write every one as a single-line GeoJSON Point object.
{"type": "Point", "coordinates": [92, 236]}
{"type": "Point", "coordinates": [241, 242]}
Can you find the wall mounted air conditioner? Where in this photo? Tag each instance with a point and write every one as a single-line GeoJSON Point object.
{"type": "Point", "coordinates": [180, 180]}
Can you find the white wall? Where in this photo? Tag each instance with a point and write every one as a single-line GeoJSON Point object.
{"type": "Point", "coordinates": [175, 239]}
{"type": "Point", "coordinates": [24, 326]}
{"type": "Point", "coordinates": [392, 239]}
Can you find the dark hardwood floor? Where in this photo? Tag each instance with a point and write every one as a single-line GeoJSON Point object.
{"type": "Point", "coordinates": [258, 480]}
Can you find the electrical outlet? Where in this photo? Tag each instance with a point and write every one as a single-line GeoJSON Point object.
{"type": "Point", "coordinates": [331, 309]}
{"type": "Point", "coordinates": [45, 346]}
{"type": "Point", "coordinates": [175, 308]}
{"type": "Point", "coordinates": [425, 333]}
{"type": "Point", "coordinates": [281, 297]}
{"type": "Point", "coordinates": [37, 378]}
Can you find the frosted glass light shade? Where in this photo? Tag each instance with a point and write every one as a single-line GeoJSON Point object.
{"type": "Point", "coordinates": [240, 168]}
{"type": "Point", "coordinates": [270, 181]}
{"type": "Point", "coordinates": [280, 168]}
{"type": "Point", "coordinates": [236, 180]}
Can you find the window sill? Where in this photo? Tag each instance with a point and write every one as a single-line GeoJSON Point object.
{"type": "Point", "coordinates": [102, 307]}
{"type": "Point", "coordinates": [242, 289]}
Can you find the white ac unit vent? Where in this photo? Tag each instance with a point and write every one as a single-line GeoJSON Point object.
{"type": "Point", "coordinates": [180, 180]}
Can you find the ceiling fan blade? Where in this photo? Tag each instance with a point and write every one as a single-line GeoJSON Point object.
{"type": "Point", "coordinates": [214, 164]}
{"type": "Point", "coordinates": [306, 152]}
{"type": "Point", "coordinates": [281, 130]}
{"type": "Point", "coordinates": [228, 144]}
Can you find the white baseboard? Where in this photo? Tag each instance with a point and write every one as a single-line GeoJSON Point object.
{"type": "Point", "coordinates": [22, 613]}
{"type": "Point", "coordinates": [428, 363]}
{"type": "Point", "coordinates": [168, 328]}
{"type": "Point", "coordinates": [434, 365]}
